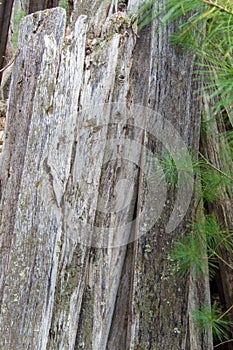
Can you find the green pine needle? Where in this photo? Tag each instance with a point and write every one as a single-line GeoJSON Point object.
{"type": "Point", "coordinates": [213, 181]}
{"type": "Point", "coordinates": [188, 253]}
{"type": "Point", "coordinates": [214, 318]}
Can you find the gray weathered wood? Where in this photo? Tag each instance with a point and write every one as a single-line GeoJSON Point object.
{"type": "Point", "coordinates": [73, 133]}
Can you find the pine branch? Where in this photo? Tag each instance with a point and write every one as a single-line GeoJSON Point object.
{"type": "Point", "coordinates": [211, 3]}
{"type": "Point", "coordinates": [220, 258]}
{"type": "Point", "coordinates": [215, 168]}
{"type": "Point", "coordinates": [11, 61]}
{"type": "Point", "coordinates": [224, 342]}
{"type": "Point", "coordinates": [226, 312]}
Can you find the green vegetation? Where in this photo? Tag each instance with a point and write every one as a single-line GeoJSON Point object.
{"type": "Point", "coordinates": [16, 22]}
{"type": "Point", "coordinates": [213, 179]}
{"type": "Point", "coordinates": [206, 28]}
{"type": "Point", "coordinates": [144, 14]}
{"type": "Point", "coordinates": [171, 167]}
{"type": "Point", "coordinates": [204, 241]}
{"type": "Point", "coordinates": [215, 318]}
{"type": "Point", "coordinates": [189, 253]}
{"type": "Point", "coordinates": [64, 4]}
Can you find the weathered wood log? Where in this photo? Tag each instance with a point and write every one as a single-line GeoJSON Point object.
{"type": "Point", "coordinates": [85, 111]}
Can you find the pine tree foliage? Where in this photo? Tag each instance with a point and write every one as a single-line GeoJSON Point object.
{"type": "Point", "coordinates": [214, 317]}
{"type": "Point", "coordinates": [206, 28]}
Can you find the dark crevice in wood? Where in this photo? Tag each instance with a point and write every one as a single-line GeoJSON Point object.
{"type": "Point", "coordinates": [117, 338]}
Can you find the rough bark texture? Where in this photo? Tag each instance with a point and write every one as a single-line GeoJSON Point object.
{"type": "Point", "coordinates": [71, 125]}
